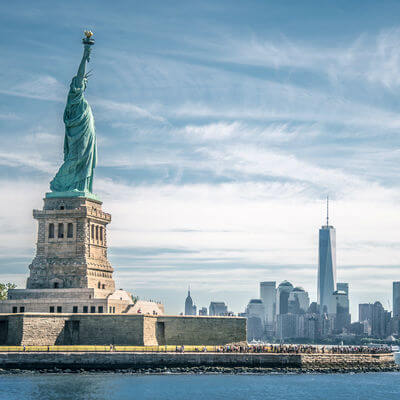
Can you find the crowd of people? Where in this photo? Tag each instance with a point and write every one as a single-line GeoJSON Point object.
{"type": "Point", "coordinates": [302, 349]}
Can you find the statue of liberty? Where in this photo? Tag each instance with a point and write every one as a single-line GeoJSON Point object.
{"type": "Point", "coordinates": [75, 176]}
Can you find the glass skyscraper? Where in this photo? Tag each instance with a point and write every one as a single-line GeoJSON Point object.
{"type": "Point", "coordinates": [268, 296]}
{"type": "Point", "coordinates": [396, 299]}
{"type": "Point", "coordinates": [327, 268]}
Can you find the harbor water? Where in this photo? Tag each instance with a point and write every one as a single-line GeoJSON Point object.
{"type": "Point", "coordinates": [117, 386]}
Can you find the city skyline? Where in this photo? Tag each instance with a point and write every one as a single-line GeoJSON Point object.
{"type": "Point", "coordinates": [229, 135]}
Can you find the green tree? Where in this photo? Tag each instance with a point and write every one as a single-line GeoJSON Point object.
{"type": "Point", "coordinates": [4, 287]}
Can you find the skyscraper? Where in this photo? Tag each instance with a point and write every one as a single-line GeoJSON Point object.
{"type": "Point", "coordinates": [343, 286]}
{"type": "Point", "coordinates": [343, 317]}
{"type": "Point", "coordinates": [365, 312]}
{"type": "Point", "coordinates": [298, 301]}
{"type": "Point", "coordinates": [190, 308]}
{"type": "Point", "coordinates": [255, 313]}
{"type": "Point", "coordinates": [327, 266]}
{"type": "Point", "coordinates": [217, 308]}
{"type": "Point", "coordinates": [380, 321]}
{"type": "Point", "coordinates": [268, 296]}
{"type": "Point", "coordinates": [396, 299]}
{"type": "Point", "coordinates": [282, 297]}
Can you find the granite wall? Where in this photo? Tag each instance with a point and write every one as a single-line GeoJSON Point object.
{"type": "Point", "coordinates": [120, 329]}
{"type": "Point", "coordinates": [116, 360]}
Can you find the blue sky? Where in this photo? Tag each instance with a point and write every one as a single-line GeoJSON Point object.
{"type": "Point", "coordinates": [221, 128]}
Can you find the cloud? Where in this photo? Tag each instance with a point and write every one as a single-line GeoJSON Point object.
{"type": "Point", "coordinates": [42, 138]}
{"type": "Point", "coordinates": [9, 116]}
{"type": "Point", "coordinates": [373, 58]}
{"type": "Point", "coordinates": [42, 87]}
{"type": "Point", "coordinates": [291, 103]}
{"type": "Point", "coordinates": [26, 159]}
{"type": "Point", "coordinates": [129, 110]}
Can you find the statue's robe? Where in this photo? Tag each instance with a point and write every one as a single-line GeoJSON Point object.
{"type": "Point", "coordinates": [76, 173]}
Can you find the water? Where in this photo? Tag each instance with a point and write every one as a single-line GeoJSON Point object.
{"type": "Point", "coordinates": [108, 386]}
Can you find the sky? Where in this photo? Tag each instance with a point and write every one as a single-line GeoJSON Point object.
{"type": "Point", "coordinates": [222, 126]}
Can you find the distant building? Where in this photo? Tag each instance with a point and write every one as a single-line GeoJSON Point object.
{"type": "Point", "coordinates": [190, 308]}
{"type": "Point", "coordinates": [377, 321]}
{"type": "Point", "coordinates": [268, 296]}
{"type": "Point", "coordinates": [217, 308]}
{"type": "Point", "coordinates": [256, 308]}
{"type": "Point", "coordinates": [343, 317]}
{"type": "Point", "coordinates": [255, 314]}
{"type": "Point", "coordinates": [381, 321]}
{"type": "Point", "coordinates": [396, 299]}
{"type": "Point", "coordinates": [365, 312]}
{"type": "Point", "coordinates": [357, 328]}
{"type": "Point", "coordinates": [314, 308]}
{"type": "Point", "coordinates": [327, 267]}
{"type": "Point", "coordinates": [287, 326]}
{"type": "Point", "coordinates": [282, 297]}
{"type": "Point", "coordinates": [327, 325]}
{"type": "Point", "coordinates": [343, 286]}
{"type": "Point", "coordinates": [203, 311]}
{"type": "Point", "coordinates": [298, 301]}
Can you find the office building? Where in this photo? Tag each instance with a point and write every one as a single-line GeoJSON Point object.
{"type": "Point", "coordinates": [396, 299]}
{"type": "Point", "coordinates": [343, 318]}
{"type": "Point", "coordinates": [365, 312]}
{"type": "Point", "coordinates": [203, 311]}
{"type": "Point", "coordinates": [343, 286]}
{"type": "Point", "coordinates": [282, 297]}
{"type": "Point", "coordinates": [381, 318]}
{"type": "Point", "coordinates": [327, 267]}
{"type": "Point", "coordinates": [217, 308]}
{"type": "Point", "coordinates": [287, 326]}
{"type": "Point", "coordinates": [298, 301]}
{"type": "Point", "coordinates": [255, 314]}
{"type": "Point", "coordinates": [268, 296]}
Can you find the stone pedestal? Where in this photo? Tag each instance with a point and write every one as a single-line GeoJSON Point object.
{"type": "Point", "coordinates": [72, 247]}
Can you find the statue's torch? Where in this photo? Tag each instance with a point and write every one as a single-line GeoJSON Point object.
{"type": "Point", "coordinates": [88, 41]}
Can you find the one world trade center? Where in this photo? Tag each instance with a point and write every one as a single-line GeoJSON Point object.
{"type": "Point", "coordinates": [327, 266]}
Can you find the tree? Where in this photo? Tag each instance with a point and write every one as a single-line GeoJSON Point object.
{"type": "Point", "coordinates": [134, 299]}
{"type": "Point", "coordinates": [4, 288]}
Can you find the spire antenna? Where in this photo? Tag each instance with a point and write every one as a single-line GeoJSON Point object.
{"type": "Point", "coordinates": [327, 210]}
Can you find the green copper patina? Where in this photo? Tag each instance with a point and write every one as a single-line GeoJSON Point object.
{"type": "Point", "coordinates": [75, 176]}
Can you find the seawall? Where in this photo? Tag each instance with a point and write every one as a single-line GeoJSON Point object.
{"type": "Point", "coordinates": [48, 329]}
{"type": "Point", "coordinates": [156, 361]}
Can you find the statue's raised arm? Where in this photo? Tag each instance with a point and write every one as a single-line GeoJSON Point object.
{"type": "Point", "coordinates": [81, 75]}
{"type": "Point", "coordinates": [75, 176]}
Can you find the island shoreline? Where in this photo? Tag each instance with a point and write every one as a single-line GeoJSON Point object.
{"type": "Point", "coordinates": [216, 363]}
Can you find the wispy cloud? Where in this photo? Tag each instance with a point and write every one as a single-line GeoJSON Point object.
{"type": "Point", "coordinates": [9, 116]}
{"type": "Point", "coordinates": [371, 57]}
{"type": "Point", "coordinates": [26, 159]}
{"type": "Point", "coordinates": [132, 111]}
{"type": "Point", "coordinates": [43, 87]}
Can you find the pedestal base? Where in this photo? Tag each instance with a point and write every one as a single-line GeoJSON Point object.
{"type": "Point", "coordinates": [72, 193]}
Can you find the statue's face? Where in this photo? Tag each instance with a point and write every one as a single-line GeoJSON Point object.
{"type": "Point", "coordinates": [74, 83]}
